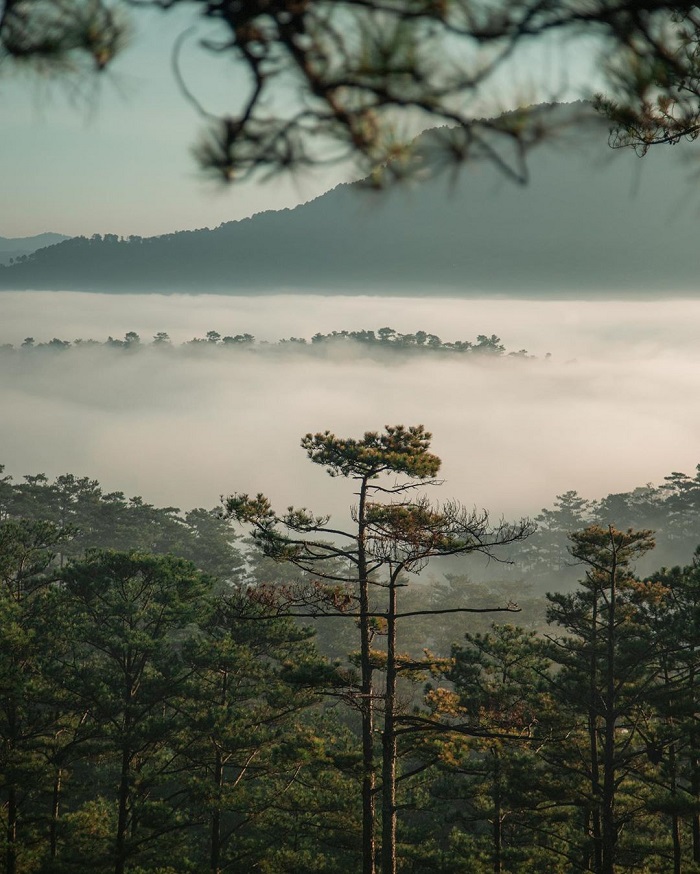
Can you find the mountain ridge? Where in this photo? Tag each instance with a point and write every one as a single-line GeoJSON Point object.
{"type": "Point", "coordinates": [590, 221]}
{"type": "Point", "coordinates": [15, 247]}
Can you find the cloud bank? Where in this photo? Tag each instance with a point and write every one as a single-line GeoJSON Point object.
{"type": "Point", "coordinates": [613, 408]}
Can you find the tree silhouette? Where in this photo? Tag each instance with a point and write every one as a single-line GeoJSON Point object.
{"type": "Point", "coordinates": [357, 80]}
{"type": "Point", "coordinates": [60, 36]}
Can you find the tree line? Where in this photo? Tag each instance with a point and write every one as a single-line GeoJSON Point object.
{"type": "Point", "coordinates": [384, 338]}
{"type": "Point", "coordinates": [671, 509]}
{"type": "Point", "coordinates": [168, 707]}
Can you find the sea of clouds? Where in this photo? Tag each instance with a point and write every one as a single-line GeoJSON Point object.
{"type": "Point", "coordinates": [614, 407]}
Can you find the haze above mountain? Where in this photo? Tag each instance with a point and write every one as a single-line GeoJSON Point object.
{"type": "Point", "coordinates": [591, 221]}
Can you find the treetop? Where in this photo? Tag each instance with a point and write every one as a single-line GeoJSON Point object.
{"type": "Point", "coordinates": [600, 546]}
{"type": "Point", "coordinates": [397, 450]}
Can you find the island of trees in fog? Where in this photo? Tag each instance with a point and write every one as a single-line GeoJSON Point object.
{"type": "Point", "coordinates": [176, 698]}
{"type": "Point", "coordinates": [363, 340]}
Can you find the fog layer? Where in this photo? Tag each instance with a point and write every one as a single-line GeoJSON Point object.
{"type": "Point", "coordinates": [614, 407]}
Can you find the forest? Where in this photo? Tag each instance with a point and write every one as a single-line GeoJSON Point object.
{"type": "Point", "coordinates": [425, 690]}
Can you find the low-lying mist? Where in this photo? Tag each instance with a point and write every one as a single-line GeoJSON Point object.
{"type": "Point", "coordinates": [612, 408]}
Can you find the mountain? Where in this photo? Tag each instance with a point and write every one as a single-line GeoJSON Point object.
{"type": "Point", "coordinates": [591, 221]}
{"type": "Point", "coordinates": [15, 247]}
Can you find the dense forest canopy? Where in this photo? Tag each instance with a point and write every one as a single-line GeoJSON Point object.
{"type": "Point", "coordinates": [111, 520]}
{"type": "Point", "coordinates": [163, 710]}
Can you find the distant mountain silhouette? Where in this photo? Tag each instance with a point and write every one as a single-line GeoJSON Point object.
{"type": "Point", "coordinates": [15, 247]}
{"type": "Point", "coordinates": [591, 221]}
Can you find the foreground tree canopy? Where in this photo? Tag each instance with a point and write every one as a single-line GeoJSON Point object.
{"type": "Point", "coordinates": [326, 81]}
{"type": "Point", "coordinates": [312, 705]}
{"type": "Point", "coordinates": [60, 36]}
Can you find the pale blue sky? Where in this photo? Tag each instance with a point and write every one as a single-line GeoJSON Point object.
{"type": "Point", "coordinates": [116, 158]}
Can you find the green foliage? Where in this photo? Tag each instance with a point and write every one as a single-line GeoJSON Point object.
{"type": "Point", "coordinates": [155, 719]}
{"type": "Point", "coordinates": [130, 615]}
{"type": "Point", "coordinates": [93, 519]}
{"type": "Point", "coordinates": [671, 510]}
{"type": "Point", "coordinates": [139, 702]}
{"type": "Point", "coordinates": [397, 450]}
{"type": "Point", "coordinates": [606, 683]}
{"type": "Point", "coordinates": [30, 717]}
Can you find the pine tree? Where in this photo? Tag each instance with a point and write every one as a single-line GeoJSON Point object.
{"type": "Point", "coordinates": [390, 537]}
{"type": "Point", "coordinates": [606, 678]}
{"type": "Point", "coordinates": [131, 615]}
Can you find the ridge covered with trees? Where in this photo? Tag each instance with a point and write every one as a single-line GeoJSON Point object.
{"type": "Point", "coordinates": [477, 236]}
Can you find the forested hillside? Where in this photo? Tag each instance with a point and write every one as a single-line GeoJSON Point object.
{"type": "Point", "coordinates": [164, 711]}
{"type": "Point", "coordinates": [591, 221]}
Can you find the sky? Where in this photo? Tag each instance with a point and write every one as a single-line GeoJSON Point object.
{"type": "Point", "coordinates": [113, 156]}
{"type": "Point", "coordinates": [111, 153]}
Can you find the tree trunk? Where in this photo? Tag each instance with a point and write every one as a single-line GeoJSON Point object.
{"type": "Point", "coordinates": [215, 831]}
{"type": "Point", "coordinates": [695, 777]}
{"type": "Point", "coordinates": [594, 822]}
{"type": "Point", "coordinates": [123, 815]}
{"type": "Point", "coordinates": [497, 815]}
{"type": "Point", "coordinates": [695, 792]}
{"type": "Point", "coordinates": [55, 807]}
{"type": "Point", "coordinates": [587, 831]}
{"type": "Point", "coordinates": [389, 743]}
{"type": "Point", "coordinates": [673, 781]}
{"type": "Point", "coordinates": [11, 832]}
{"type": "Point", "coordinates": [368, 781]}
{"type": "Point", "coordinates": [677, 850]}
{"type": "Point", "coordinates": [367, 694]}
{"type": "Point", "coordinates": [215, 823]}
{"type": "Point", "coordinates": [609, 826]}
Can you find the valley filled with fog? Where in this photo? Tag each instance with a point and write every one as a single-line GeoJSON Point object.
{"type": "Point", "coordinates": [611, 408]}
